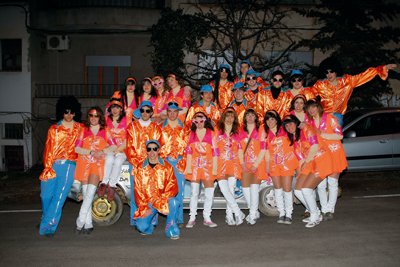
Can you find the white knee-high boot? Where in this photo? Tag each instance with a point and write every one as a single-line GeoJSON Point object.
{"type": "Point", "coordinates": [231, 185]}
{"type": "Point", "coordinates": [208, 202]}
{"type": "Point", "coordinates": [194, 198]}
{"type": "Point", "coordinates": [279, 202]}
{"type": "Point", "coordinates": [91, 191]}
{"type": "Point", "coordinates": [323, 196]}
{"type": "Point", "coordinates": [230, 201]}
{"type": "Point", "coordinates": [254, 214]}
{"type": "Point", "coordinates": [86, 206]}
{"type": "Point", "coordinates": [315, 216]}
{"type": "Point", "coordinates": [288, 199]}
{"type": "Point", "coordinates": [333, 192]}
{"type": "Point", "coordinates": [246, 194]}
{"type": "Point", "coordinates": [299, 196]}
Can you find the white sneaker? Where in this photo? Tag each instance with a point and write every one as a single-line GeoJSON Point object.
{"type": "Point", "coordinates": [190, 224]}
{"type": "Point", "coordinates": [312, 224]}
{"type": "Point", "coordinates": [209, 223]}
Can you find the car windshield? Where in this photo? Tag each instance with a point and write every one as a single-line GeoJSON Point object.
{"type": "Point", "coordinates": [350, 116]}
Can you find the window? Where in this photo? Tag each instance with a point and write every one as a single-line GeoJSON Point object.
{"type": "Point", "coordinates": [377, 124]}
{"type": "Point", "coordinates": [13, 131]}
{"type": "Point", "coordinates": [106, 74]}
{"type": "Point", "coordinates": [11, 59]}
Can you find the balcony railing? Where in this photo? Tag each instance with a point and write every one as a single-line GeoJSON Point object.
{"type": "Point", "coordinates": [51, 4]}
{"type": "Point", "coordinates": [78, 90]}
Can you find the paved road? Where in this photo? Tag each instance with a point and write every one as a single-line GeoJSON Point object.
{"type": "Point", "coordinates": [364, 232]}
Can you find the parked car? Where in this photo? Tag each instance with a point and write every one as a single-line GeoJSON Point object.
{"type": "Point", "coordinates": [371, 139]}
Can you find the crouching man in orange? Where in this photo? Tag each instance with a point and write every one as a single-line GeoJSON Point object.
{"type": "Point", "coordinates": [155, 190]}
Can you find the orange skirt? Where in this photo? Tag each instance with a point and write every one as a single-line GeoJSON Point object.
{"type": "Point", "coordinates": [321, 167]}
{"type": "Point", "coordinates": [338, 155]}
{"type": "Point", "coordinates": [284, 168]}
{"type": "Point", "coordinates": [84, 169]}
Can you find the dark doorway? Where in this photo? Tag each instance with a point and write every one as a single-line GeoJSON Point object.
{"type": "Point", "coordinates": [14, 158]}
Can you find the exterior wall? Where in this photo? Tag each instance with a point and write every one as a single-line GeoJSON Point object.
{"type": "Point", "coordinates": [15, 86]}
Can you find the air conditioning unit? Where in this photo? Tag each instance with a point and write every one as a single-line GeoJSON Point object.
{"type": "Point", "coordinates": [57, 42]}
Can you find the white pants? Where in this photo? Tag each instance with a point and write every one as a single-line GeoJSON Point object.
{"type": "Point", "coordinates": [112, 168]}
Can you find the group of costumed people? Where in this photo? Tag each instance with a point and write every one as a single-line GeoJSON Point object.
{"type": "Point", "coordinates": [241, 129]}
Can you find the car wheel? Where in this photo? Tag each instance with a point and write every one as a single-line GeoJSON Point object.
{"type": "Point", "coordinates": [267, 203]}
{"type": "Point", "coordinates": [105, 212]}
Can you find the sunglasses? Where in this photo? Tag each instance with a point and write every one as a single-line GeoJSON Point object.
{"type": "Point", "coordinates": [200, 121]}
{"type": "Point", "coordinates": [277, 80]}
{"type": "Point", "coordinates": [159, 83]}
{"type": "Point", "coordinates": [251, 78]}
{"type": "Point", "coordinates": [94, 116]}
{"type": "Point", "coordinates": [68, 111]}
{"type": "Point", "coordinates": [224, 70]}
{"type": "Point", "coordinates": [173, 104]}
{"type": "Point", "coordinates": [329, 71]}
{"type": "Point", "coordinates": [296, 80]}
{"type": "Point", "coordinates": [152, 148]}
{"type": "Point", "coordinates": [145, 110]}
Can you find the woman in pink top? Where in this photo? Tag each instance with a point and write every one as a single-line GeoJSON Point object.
{"type": "Point", "coordinates": [148, 92]}
{"type": "Point", "coordinates": [202, 165]}
{"type": "Point", "coordinates": [129, 97]}
{"type": "Point", "coordinates": [117, 124]}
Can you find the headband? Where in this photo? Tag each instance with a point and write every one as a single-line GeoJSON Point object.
{"type": "Point", "coordinates": [116, 102]}
{"type": "Point", "coordinates": [300, 96]}
{"type": "Point", "coordinates": [93, 111]}
{"type": "Point", "coordinates": [229, 109]}
{"type": "Point", "coordinates": [147, 79]}
{"type": "Point", "coordinates": [172, 75]}
{"type": "Point", "coordinates": [157, 77]}
{"type": "Point", "coordinates": [273, 112]}
{"type": "Point", "coordinates": [131, 79]}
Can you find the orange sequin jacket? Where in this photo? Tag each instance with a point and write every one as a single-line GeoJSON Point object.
{"type": "Point", "coordinates": [265, 102]}
{"type": "Point", "coordinates": [60, 144]}
{"type": "Point", "coordinates": [175, 142]}
{"type": "Point", "coordinates": [241, 109]}
{"type": "Point", "coordinates": [154, 186]}
{"type": "Point", "coordinates": [214, 114]}
{"type": "Point", "coordinates": [334, 99]}
{"type": "Point", "coordinates": [224, 94]}
{"type": "Point", "coordinates": [136, 139]}
{"type": "Point", "coordinates": [307, 91]}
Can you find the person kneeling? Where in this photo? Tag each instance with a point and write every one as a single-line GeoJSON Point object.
{"type": "Point", "coordinates": [155, 190]}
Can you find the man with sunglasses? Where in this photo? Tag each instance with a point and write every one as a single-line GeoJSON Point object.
{"type": "Point", "coordinates": [254, 87]}
{"type": "Point", "coordinates": [155, 190]}
{"type": "Point", "coordinates": [59, 159]}
{"type": "Point", "coordinates": [138, 133]}
{"type": "Point", "coordinates": [274, 97]}
{"type": "Point", "coordinates": [205, 105]}
{"type": "Point", "coordinates": [297, 80]}
{"type": "Point", "coordinates": [335, 88]}
{"type": "Point", "coordinates": [176, 136]}
{"type": "Point", "coordinates": [245, 66]}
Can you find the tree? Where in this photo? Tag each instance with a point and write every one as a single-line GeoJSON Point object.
{"type": "Point", "coordinates": [349, 32]}
{"type": "Point", "coordinates": [174, 34]}
{"type": "Point", "coordinates": [223, 33]}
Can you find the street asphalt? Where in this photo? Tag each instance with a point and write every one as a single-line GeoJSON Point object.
{"type": "Point", "coordinates": [364, 232]}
